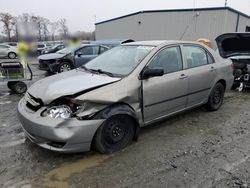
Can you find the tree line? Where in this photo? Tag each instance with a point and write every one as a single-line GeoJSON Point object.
{"type": "Point", "coordinates": [37, 27]}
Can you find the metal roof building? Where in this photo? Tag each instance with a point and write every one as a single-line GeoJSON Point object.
{"type": "Point", "coordinates": [181, 24]}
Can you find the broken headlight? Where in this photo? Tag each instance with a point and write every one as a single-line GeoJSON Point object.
{"type": "Point", "coordinates": [62, 111]}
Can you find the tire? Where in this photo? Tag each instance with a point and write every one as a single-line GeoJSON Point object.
{"type": "Point", "coordinates": [114, 134]}
{"type": "Point", "coordinates": [12, 55]}
{"type": "Point", "coordinates": [64, 67]}
{"type": "Point", "coordinates": [216, 97]}
{"type": "Point", "coordinates": [17, 87]}
{"type": "Point", "coordinates": [10, 85]}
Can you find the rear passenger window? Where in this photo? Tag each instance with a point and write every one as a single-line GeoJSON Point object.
{"type": "Point", "coordinates": [168, 59]}
{"type": "Point", "coordinates": [102, 49]}
{"type": "Point", "coordinates": [195, 56]}
{"type": "Point", "coordinates": [210, 59]}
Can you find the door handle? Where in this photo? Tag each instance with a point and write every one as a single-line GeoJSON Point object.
{"type": "Point", "coordinates": [183, 76]}
{"type": "Point", "coordinates": [212, 69]}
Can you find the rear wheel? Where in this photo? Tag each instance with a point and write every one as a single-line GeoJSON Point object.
{"type": "Point", "coordinates": [12, 55]}
{"type": "Point", "coordinates": [114, 134]}
{"type": "Point", "coordinates": [64, 67]}
{"type": "Point", "coordinates": [216, 97]}
{"type": "Point", "coordinates": [17, 87]}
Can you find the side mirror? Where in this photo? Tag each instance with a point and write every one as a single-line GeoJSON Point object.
{"type": "Point", "coordinates": [147, 73]}
{"type": "Point", "coordinates": [79, 54]}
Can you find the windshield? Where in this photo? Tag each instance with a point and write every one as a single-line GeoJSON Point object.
{"type": "Point", "coordinates": [66, 50]}
{"type": "Point", "coordinates": [119, 61]}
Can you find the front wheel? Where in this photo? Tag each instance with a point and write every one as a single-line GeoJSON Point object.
{"type": "Point", "coordinates": [64, 67]}
{"type": "Point", "coordinates": [12, 55]}
{"type": "Point", "coordinates": [114, 134]}
{"type": "Point", "coordinates": [216, 97]}
{"type": "Point", "coordinates": [17, 87]}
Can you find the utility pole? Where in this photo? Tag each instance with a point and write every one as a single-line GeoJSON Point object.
{"type": "Point", "coordinates": [225, 3]}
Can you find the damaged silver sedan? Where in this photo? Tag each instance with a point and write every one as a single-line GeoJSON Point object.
{"type": "Point", "coordinates": [104, 103]}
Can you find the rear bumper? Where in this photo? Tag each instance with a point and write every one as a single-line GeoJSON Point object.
{"type": "Point", "coordinates": [61, 135]}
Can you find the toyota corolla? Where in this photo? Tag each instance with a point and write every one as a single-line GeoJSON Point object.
{"type": "Point", "coordinates": [104, 103]}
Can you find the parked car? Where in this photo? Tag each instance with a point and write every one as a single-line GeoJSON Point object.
{"type": "Point", "coordinates": [8, 51]}
{"type": "Point", "coordinates": [14, 44]}
{"type": "Point", "coordinates": [111, 43]}
{"type": "Point", "coordinates": [41, 47]}
{"type": "Point", "coordinates": [70, 57]}
{"type": "Point", "coordinates": [236, 46]}
{"type": "Point", "coordinates": [105, 102]}
{"type": "Point", "coordinates": [53, 49]}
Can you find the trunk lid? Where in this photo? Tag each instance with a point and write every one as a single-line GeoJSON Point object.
{"type": "Point", "coordinates": [233, 44]}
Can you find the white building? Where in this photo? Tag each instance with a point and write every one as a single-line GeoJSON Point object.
{"type": "Point", "coordinates": [185, 24]}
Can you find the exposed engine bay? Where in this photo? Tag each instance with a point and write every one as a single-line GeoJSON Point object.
{"type": "Point", "coordinates": [241, 73]}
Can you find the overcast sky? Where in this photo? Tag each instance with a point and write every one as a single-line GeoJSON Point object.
{"type": "Point", "coordinates": [80, 14]}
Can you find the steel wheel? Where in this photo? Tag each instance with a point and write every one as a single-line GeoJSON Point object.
{"type": "Point", "coordinates": [115, 133]}
{"type": "Point", "coordinates": [216, 97]}
{"type": "Point", "coordinates": [64, 67]}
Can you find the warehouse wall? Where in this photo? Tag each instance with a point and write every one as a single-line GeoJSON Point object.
{"type": "Point", "coordinates": [172, 25]}
{"type": "Point", "coordinates": [243, 23]}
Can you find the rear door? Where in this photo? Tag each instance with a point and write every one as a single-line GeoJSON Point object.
{"type": "Point", "coordinates": [166, 94]}
{"type": "Point", "coordinates": [85, 54]}
{"type": "Point", "coordinates": [102, 49]}
{"type": "Point", "coordinates": [201, 71]}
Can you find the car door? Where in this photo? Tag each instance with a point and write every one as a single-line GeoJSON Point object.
{"type": "Point", "coordinates": [201, 71]}
{"type": "Point", "coordinates": [103, 49]}
{"type": "Point", "coordinates": [167, 94]}
{"type": "Point", "coordinates": [85, 54]}
{"type": "Point", "coordinates": [3, 50]}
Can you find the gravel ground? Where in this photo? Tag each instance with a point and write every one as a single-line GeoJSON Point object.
{"type": "Point", "coordinates": [194, 149]}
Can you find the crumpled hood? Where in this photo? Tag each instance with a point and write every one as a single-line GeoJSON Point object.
{"type": "Point", "coordinates": [51, 56]}
{"type": "Point", "coordinates": [233, 44]}
{"type": "Point", "coordinates": [68, 83]}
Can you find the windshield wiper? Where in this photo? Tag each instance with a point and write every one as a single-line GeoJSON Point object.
{"type": "Point", "coordinates": [100, 71]}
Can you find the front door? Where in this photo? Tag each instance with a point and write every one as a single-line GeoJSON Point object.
{"type": "Point", "coordinates": [85, 54]}
{"type": "Point", "coordinates": [166, 94]}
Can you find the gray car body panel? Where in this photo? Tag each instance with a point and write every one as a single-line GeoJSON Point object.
{"type": "Point", "coordinates": [139, 95]}
{"type": "Point", "coordinates": [51, 56]}
{"type": "Point", "coordinates": [69, 83]}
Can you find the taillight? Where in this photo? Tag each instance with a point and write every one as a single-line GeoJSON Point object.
{"type": "Point", "coordinates": [232, 66]}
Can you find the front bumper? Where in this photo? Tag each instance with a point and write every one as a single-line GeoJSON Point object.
{"type": "Point", "coordinates": [61, 135]}
{"type": "Point", "coordinates": [51, 66]}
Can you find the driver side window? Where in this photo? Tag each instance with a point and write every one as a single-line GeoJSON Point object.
{"type": "Point", "coordinates": [88, 50]}
{"type": "Point", "coordinates": [168, 59]}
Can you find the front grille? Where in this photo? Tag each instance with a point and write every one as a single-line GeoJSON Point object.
{"type": "Point", "coordinates": [33, 103]}
{"type": "Point", "coordinates": [44, 64]}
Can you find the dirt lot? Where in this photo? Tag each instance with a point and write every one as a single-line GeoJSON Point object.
{"type": "Point", "coordinates": [193, 149]}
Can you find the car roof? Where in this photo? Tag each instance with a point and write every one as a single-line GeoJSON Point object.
{"type": "Point", "coordinates": [159, 42]}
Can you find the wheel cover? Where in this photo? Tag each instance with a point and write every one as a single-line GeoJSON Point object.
{"type": "Point", "coordinates": [115, 132]}
{"type": "Point", "coordinates": [217, 96]}
{"type": "Point", "coordinates": [65, 68]}
{"type": "Point", "coordinates": [12, 55]}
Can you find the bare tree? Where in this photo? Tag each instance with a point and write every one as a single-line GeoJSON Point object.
{"type": "Point", "coordinates": [7, 20]}
{"type": "Point", "coordinates": [45, 23]}
{"type": "Point", "coordinates": [63, 27]}
{"type": "Point", "coordinates": [15, 28]}
{"type": "Point", "coordinates": [53, 29]}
